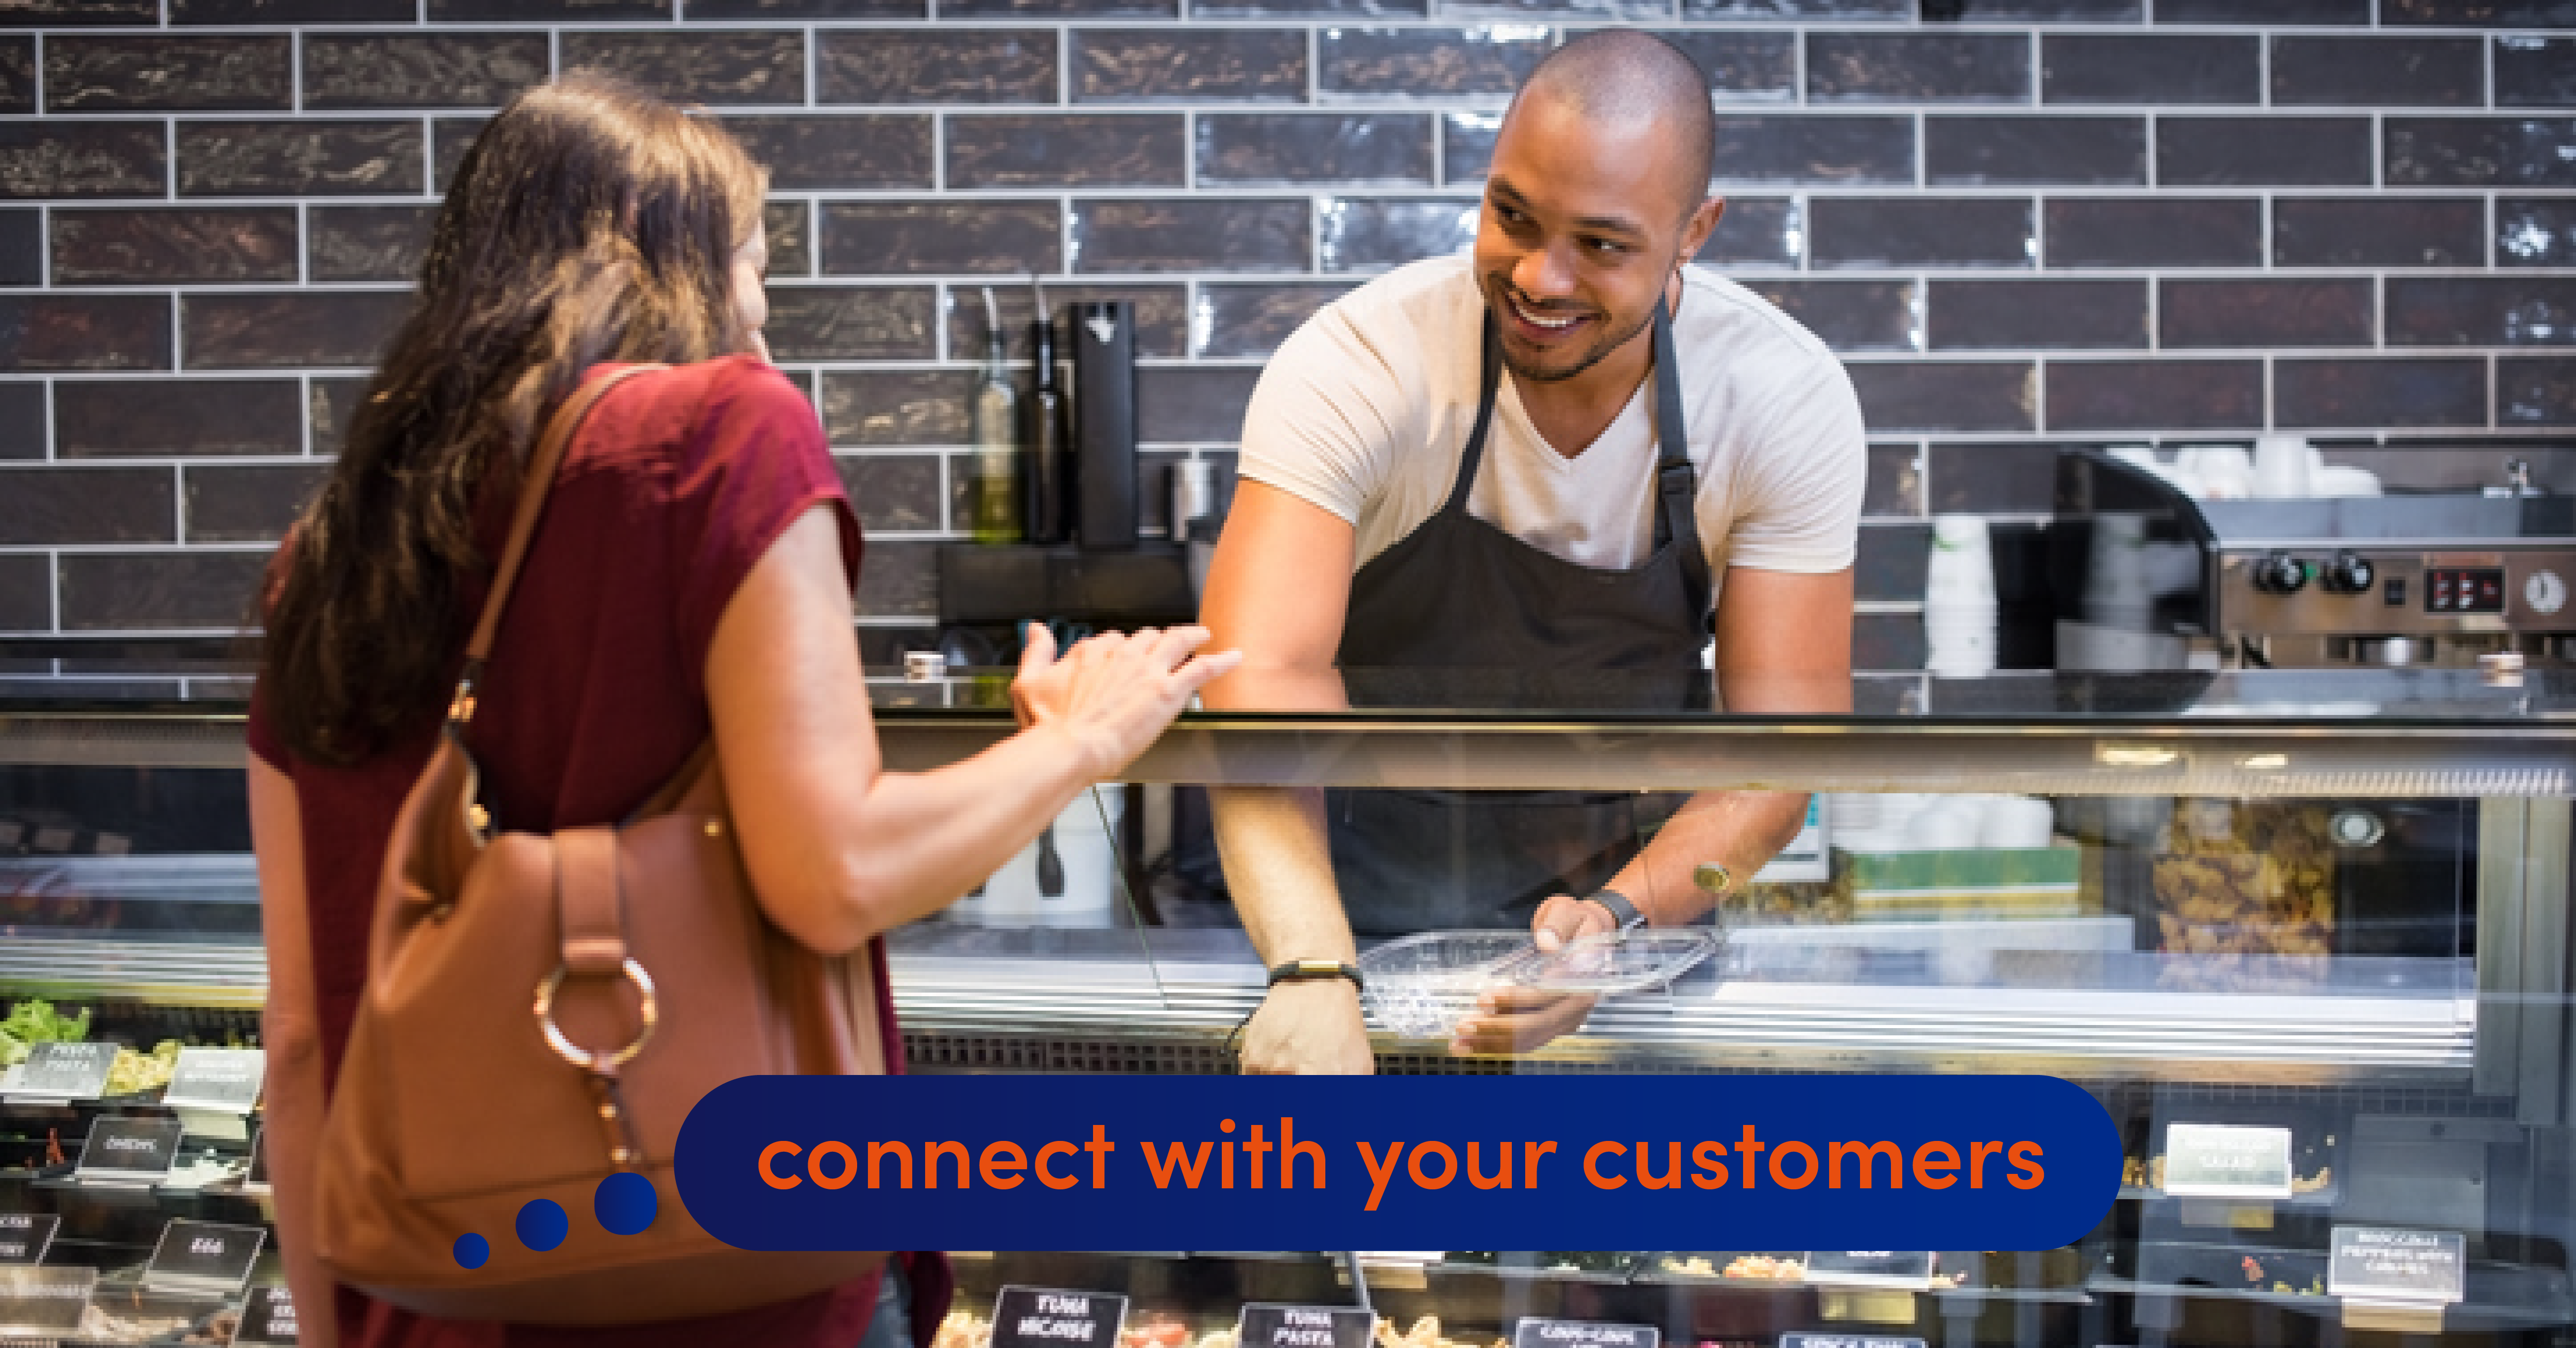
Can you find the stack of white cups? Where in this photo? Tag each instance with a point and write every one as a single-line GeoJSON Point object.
{"type": "Point", "coordinates": [1959, 599]}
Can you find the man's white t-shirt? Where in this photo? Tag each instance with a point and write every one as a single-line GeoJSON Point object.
{"type": "Point", "coordinates": [1366, 409]}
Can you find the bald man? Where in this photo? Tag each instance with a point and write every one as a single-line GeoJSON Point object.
{"type": "Point", "coordinates": [1570, 451]}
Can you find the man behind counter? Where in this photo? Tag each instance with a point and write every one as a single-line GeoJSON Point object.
{"type": "Point", "coordinates": [1404, 506]}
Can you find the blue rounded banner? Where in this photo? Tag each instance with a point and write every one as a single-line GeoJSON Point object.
{"type": "Point", "coordinates": [1499, 1162]}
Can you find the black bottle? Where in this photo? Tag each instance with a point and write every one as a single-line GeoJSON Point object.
{"type": "Point", "coordinates": [1047, 480]}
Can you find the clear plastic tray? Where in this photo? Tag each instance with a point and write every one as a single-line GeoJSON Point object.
{"type": "Point", "coordinates": [1420, 986]}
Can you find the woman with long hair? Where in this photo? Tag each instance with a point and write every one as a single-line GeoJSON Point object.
{"type": "Point", "coordinates": [693, 575]}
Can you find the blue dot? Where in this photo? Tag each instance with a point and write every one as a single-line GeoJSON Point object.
{"type": "Point", "coordinates": [625, 1203]}
{"type": "Point", "coordinates": [542, 1225]}
{"type": "Point", "coordinates": [472, 1250]}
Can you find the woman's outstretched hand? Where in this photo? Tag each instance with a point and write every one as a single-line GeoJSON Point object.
{"type": "Point", "coordinates": [1112, 694]}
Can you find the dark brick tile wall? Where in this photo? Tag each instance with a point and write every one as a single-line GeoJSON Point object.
{"type": "Point", "coordinates": [2053, 221]}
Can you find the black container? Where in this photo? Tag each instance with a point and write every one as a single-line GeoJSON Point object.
{"type": "Point", "coordinates": [1048, 511]}
{"type": "Point", "coordinates": [1103, 333]}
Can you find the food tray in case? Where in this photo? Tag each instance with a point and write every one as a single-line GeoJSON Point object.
{"type": "Point", "coordinates": [1420, 986]}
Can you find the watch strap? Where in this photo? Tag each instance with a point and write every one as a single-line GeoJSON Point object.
{"type": "Point", "coordinates": [1307, 971]}
{"type": "Point", "coordinates": [1625, 915]}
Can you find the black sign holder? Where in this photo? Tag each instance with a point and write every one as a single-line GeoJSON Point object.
{"type": "Point", "coordinates": [203, 1257]}
{"type": "Point", "coordinates": [1048, 1317]}
{"type": "Point", "coordinates": [25, 1236]}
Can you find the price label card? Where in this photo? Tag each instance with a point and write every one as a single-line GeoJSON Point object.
{"type": "Point", "coordinates": [129, 1149]}
{"type": "Point", "coordinates": [1910, 1269]}
{"type": "Point", "coordinates": [268, 1320]}
{"type": "Point", "coordinates": [44, 1302]}
{"type": "Point", "coordinates": [1270, 1325]}
{"type": "Point", "coordinates": [1047, 1317]}
{"type": "Point", "coordinates": [1533, 1332]}
{"type": "Point", "coordinates": [2373, 1263]}
{"type": "Point", "coordinates": [217, 1078]}
{"type": "Point", "coordinates": [25, 1236]}
{"type": "Point", "coordinates": [1821, 1339]}
{"type": "Point", "coordinates": [2216, 1160]}
{"type": "Point", "coordinates": [198, 1256]}
{"type": "Point", "coordinates": [66, 1071]}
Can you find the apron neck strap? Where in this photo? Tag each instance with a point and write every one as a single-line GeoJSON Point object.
{"type": "Point", "coordinates": [1489, 375]}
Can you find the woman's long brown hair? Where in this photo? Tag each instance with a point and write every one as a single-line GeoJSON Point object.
{"type": "Point", "coordinates": [589, 222]}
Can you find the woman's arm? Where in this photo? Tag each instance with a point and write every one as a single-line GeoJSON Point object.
{"type": "Point", "coordinates": [288, 1029]}
{"type": "Point", "coordinates": [839, 850]}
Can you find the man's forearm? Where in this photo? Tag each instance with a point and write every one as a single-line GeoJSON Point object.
{"type": "Point", "coordinates": [1740, 830]}
{"type": "Point", "coordinates": [1279, 867]}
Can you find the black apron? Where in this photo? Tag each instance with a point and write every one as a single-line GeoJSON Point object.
{"type": "Point", "coordinates": [1460, 593]}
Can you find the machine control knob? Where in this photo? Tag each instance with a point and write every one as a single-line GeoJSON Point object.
{"type": "Point", "coordinates": [2545, 592]}
{"type": "Point", "coordinates": [2280, 573]}
{"type": "Point", "coordinates": [2348, 573]}
{"type": "Point", "coordinates": [2356, 828]}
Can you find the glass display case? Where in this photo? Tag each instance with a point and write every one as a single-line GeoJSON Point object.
{"type": "Point", "coordinates": [2304, 935]}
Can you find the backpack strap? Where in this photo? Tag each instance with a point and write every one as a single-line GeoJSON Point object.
{"type": "Point", "coordinates": [533, 490]}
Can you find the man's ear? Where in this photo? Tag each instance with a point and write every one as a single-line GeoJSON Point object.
{"type": "Point", "coordinates": [1702, 223]}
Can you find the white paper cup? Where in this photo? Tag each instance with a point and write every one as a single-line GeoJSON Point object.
{"type": "Point", "coordinates": [1948, 826]}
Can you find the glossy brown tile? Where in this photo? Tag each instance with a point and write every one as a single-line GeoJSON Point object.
{"type": "Point", "coordinates": [1718, 11]}
{"type": "Point", "coordinates": [790, 229]}
{"type": "Point", "coordinates": [450, 138]}
{"type": "Point", "coordinates": [2019, 150]}
{"type": "Point", "coordinates": [2152, 231]}
{"type": "Point", "coordinates": [421, 70]}
{"type": "Point", "coordinates": [1918, 67]}
{"type": "Point", "coordinates": [840, 151]}
{"type": "Point", "coordinates": [1922, 232]}
{"type": "Point", "coordinates": [895, 493]}
{"type": "Point", "coordinates": [1374, 233]}
{"type": "Point", "coordinates": [70, 13]}
{"type": "Point", "coordinates": [2242, 312]}
{"type": "Point", "coordinates": [1131, 65]}
{"type": "Point", "coordinates": [250, 503]}
{"type": "Point", "coordinates": [699, 65]}
{"type": "Point", "coordinates": [113, 418]}
{"type": "Point", "coordinates": [1891, 561]}
{"type": "Point", "coordinates": [2535, 72]}
{"type": "Point", "coordinates": [2535, 232]}
{"type": "Point", "coordinates": [899, 407]}
{"type": "Point", "coordinates": [26, 592]}
{"type": "Point", "coordinates": [2382, 231]}
{"type": "Point", "coordinates": [330, 402]}
{"type": "Point", "coordinates": [164, 74]}
{"type": "Point", "coordinates": [84, 332]}
{"type": "Point", "coordinates": [18, 74]}
{"type": "Point", "coordinates": [1597, 11]}
{"type": "Point", "coordinates": [808, 322]}
{"type": "Point", "coordinates": [1887, 641]}
{"type": "Point", "coordinates": [22, 247]}
{"type": "Point", "coordinates": [2050, 11]}
{"type": "Point", "coordinates": [147, 246]}
{"type": "Point", "coordinates": [1244, 321]}
{"type": "Point", "coordinates": [2480, 151]}
{"type": "Point", "coordinates": [1847, 315]}
{"type": "Point", "coordinates": [1895, 485]}
{"type": "Point", "coordinates": [328, 158]}
{"type": "Point", "coordinates": [145, 591]}
{"type": "Point", "coordinates": [2482, 311]}
{"type": "Point", "coordinates": [2050, 315]}
{"type": "Point", "coordinates": [2263, 151]}
{"type": "Point", "coordinates": [899, 579]}
{"type": "Point", "coordinates": [973, 65]}
{"type": "Point", "coordinates": [1424, 62]}
{"type": "Point", "coordinates": [1196, 234]}
{"type": "Point", "coordinates": [270, 331]}
{"type": "Point", "coordinates": [2536, 391]}
{"type": "Point", "coordinates": [22, 419]}
{"type": "Point", "coordinates": [2275, 13]}
{"type": "Point", "coordinates": [1467, 145]}
{"type": "Point", "coordinates": [1110, 149]}
{"type": "Point", "coordinates": [1837, 149]}
{"type": "Point", "coordinates": [545, 11]}
{"type": "Point", "coordinates": [695, 10]}
{"type": "Point", "coordinates": [1162, 316]}
{"type": "Point", "coordinates": [2154, 70]}
{"type": "Point", "coordinates": [1309, 9]}
{"type": "Point", "coordinates": [2154, 395]}
{"type": "Point", "coordinates": [1994, 479]}
{"type": "Point", "coordinates": [951, 236]}
{"type": "Point", "coordinates": [1192, 404]}
{"type": "Point", "coordinates": [1315, 147]}
{"type": "Point", "coordinates": [1059, 9]}
{"type": "Point", "coordinates": [2374, 72]}
{"type": "Point", "coordinates": [1938, 396]}
{"type": "Point", "coordinates": [2479, 13]}
{"type": "Point", "coordinates": [2374, 394]}
{"type": "Point", "coordinates": [50, 507]}
{"type": "Point", "coordinates": [68, 159]}
{"type": "Point", "coordinates": [1742, 65]}
{"type": "Point", "coordinates": [367, 243]}
{"type": "Point", "coordinates": [1757, 232]}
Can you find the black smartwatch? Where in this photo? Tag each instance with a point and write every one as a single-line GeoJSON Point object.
{"type": "Point", "coordinates": [1625, 915]}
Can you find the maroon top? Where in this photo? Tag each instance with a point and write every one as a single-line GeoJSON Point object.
{"type": "Point", "coordinates": [595, 692]}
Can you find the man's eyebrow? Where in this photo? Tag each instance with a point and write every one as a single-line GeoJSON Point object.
{"type": "Point", "coordinates": [1501, 190]}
